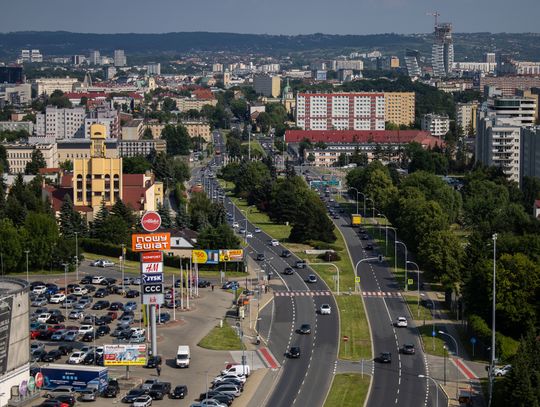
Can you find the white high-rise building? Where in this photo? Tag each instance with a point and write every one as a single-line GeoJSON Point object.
{"type": "Point", "coordinates": [153, 68]}
{"type": "Point", "coordinates": [466, 117]}
{"type": "Point", "coordinates": [95, 57]}
{"type": "Point", "coordinates": [437, 124]}
{"type": "Point", "coordinates": [119, 58]}
{"type": "Point", "coordinates": [57, 123]}
{"type": "Point", "coordinates": [412, 63]}
{"type": "Point", "coordinates": [442, 52]}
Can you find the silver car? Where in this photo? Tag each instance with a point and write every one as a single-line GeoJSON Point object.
{"type": "Point", "coordinates": [88, 395]}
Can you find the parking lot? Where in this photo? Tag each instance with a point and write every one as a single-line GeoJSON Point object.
{"type": "Point", "coordinates": [83, 321]}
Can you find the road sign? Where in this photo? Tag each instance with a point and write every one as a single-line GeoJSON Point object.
{"type": "Point", "coordinates": [410, 281]}
{"type": "Point", "coordinates": [473, 340]}
{"type": "Point", "coordinates": [153, 288]}
{"type": "Point", "coordinates": [152, 278]}
{"type": "Point", "coordinates": [151, 221]}
{"type": "Point", "coordinates": [357, 279]}
{"type": "Point", "coordinates": [153, 299]}
{"type": "Point", "coordinates": [151, 268]}
{"type": "Point", "coordinates": [433, 333]}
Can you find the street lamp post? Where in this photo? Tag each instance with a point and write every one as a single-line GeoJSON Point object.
{"type": "Point", "coordinates": [395, 248]}
{"type": "Point", "coordinates": [457, 354]}
{"type": "Point", "coordinates": [436, 387]}
{"type": "Point", "coordinates": [386, 230]}
{"type": "Point", "coordinates": [493, 305]}
{"type": "Point", "coordinates": [65, 287]}
{"type": "Point", "coordinates": [445, 349]}
{"type": "Point", "coordinates": [363, 260]}
{"type": "Point", "coordinates": [27, 274]}
{"type": "Point", "coordinates": [405, 247]}
{"type": "Point", "coordinates": [418, 283]}
{"type": "Point", "coordinates": [245, 229]}
{"type": "Point", "coordinates": [372, 209]}
{"type": "Point", "coordinates": [357, 193]}
{"type": "Point", "coordinates": [77, 256]}
{"type": "Point", "coordinates": [337, 269]}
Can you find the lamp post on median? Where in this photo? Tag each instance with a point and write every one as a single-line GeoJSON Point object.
{"type": "Point", "coordinates": [385, 228]}
{"type": "Point", "coordinates": [337, 269]}
{"type": "Point", "coordinates": [436, 387]}
{"type": "Point", "coordinates": [372, 209]}
{"type": "Point", "coordinates": [379, 258]}
{"type": "Point", "coordinates": [245, 229]}
{"type": "Point", "coordinates": [418, 283]}
{"type": "Point", "coordinates": [457, 354]}
{"type": "Point", "coordinates": [27, 274]}
{"type": "Point", "coordinates": [357, 193]}
{"type": "Point", "coordinates": [405, 247]}
{"type": "Point", "coordinates": [77, 256]}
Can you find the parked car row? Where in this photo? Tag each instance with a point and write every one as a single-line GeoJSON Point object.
{"type": "Point", "coordinates": [225, 387]}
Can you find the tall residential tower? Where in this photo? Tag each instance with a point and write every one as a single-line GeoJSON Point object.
{"type": "Point", "coordinates": [442, 52]}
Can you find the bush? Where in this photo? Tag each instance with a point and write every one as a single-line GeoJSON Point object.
{"type": "Point", "coordinates": [330, 255]}
{"type": "Point", "coordinates": [317, 244]}
{"type": "Point", "coordinates": [506, 347]}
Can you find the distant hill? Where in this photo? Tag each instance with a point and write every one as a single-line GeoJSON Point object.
{"type": "Point", "coordinates": [468, 46]}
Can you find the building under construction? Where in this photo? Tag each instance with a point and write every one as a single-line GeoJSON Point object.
{"type": "Point", "coordinates": [442, 55]}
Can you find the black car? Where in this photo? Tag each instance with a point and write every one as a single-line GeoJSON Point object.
{"type": "Point", "coordinates": [305, 329]}
{"type": "Point", "coordinates": [87, 279]}
{"type": "Point", "coordinates": [90, 287]}
{"type": "Point", "coordinates": [88, 337]}
{"type": "Point", "coordinates": [116, 306]}
{"type": "Point", "coordinates": [38, 355]}
{"type": "Point", "coordinates": [45, 334]}
{"type": "Point", "coordinates": [223, 398]}
{"type": "Point", "coordinates": [159, 390]}
{"type": "Point", "coordinates": [101, 304]}
{"type": "Point", "coordinates": [89, 359]}
{"type": "Point", "coordinates": [132, 395]}
{"type": "Point", "coordinates": [101, 293]}
{"type": "Point", "coordinates": [103, 320]}
{"type": "Point", "coordinates": [65, 349]}
{"type": "Point", "coordinates": [56, 319]}
{"type": "Point", "coordinates": [289, 271]}
{"type": "Point", "coordinates": [52, 355]}
{"type": "Point", "coordinates": [294, 352]}
{"type": "Point", "coordinates": [369, 246]}
{"type": "Point", "coordinates": [121, 332]}
{"type": "Point", "coordinates": [109, 281]}
{"type": "Point", "coordinates": [132, 294]}
{"type": "Point", "coordinates": [153, 361]}
{"type": "Point", "coordinates": [364, 237]}
{"type": "Point", "coordinates": [261, 257]}
{"type": "Point", "coordinates": [103, 330]}
{"type": "Point", "coordinates": [408, 349]}
{"type": "Point", "coordinates": [286, 253]}
{"type": "Point", "coordinates": [112, 389]}
{"type": "Point", "coordinates": [385, 357]}
{"type": "Point", "coordinates": [204, 283]}
{"type": "Point", "coordinates": [179, 392]}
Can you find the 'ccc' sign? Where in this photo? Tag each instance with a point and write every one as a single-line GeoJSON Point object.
{"type": "Point", "coordinates": [153, 288]}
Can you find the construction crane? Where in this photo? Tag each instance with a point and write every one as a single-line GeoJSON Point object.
{"type": "Point", "coordinates": [434, 14]}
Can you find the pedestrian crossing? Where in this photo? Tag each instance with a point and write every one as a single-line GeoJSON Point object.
{"type": "Point", "coordinates": [312, 293]}
{"type": "Point", "coordinates": [394, 294]}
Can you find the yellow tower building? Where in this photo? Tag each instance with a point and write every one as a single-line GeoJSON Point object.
{"type": "Point", "coordinates": [97, 179]}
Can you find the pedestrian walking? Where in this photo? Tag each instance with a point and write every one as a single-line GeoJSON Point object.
{"type": "Point", "coordinates": [158, 370]}
{"type": "Point", "coordinates": [212, 287]}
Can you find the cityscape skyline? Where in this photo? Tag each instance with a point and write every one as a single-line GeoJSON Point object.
{"type": "Point", "coordinates": [398, 16]}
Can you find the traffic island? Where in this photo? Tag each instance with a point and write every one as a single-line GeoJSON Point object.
{"type": "Point", "coordinates": [222, 337]}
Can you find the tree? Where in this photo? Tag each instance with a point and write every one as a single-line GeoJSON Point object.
{"type": "Point", "coordinates": [136, 165]}
{"type": "Point", "coordinates": [147, 134]}
{"type": "Point", "coordinates": [37, 161]}
{"type": "Point", "coordinates": [219, 237]}
{"type": "Point", "coordinates": [39, 234]}
{"type": "Point", "coordinates": [169, 104]}
{"type": "Point", "coordinates": [10, 245]}
{"type": "Point", "coordinates": [67, 165]}
{"type": "Point", "coordinates": [70, 220]}
{"type": "Point", "coordinates": [312, 222]}
{"type": "Point", "coordinates": [114, 230]}
{"type": "Point", "coordinates": [124, 212]}
{"type": "Point", "coordinates": [239, 108]}
{"type": "Point", "coordinates": [178, 140]}
{"type": "Point", "coordinates": [4, 164]}
{"type": "Point", "coordinates": [59, 100]}
{"type": "Point", "coordinates": [165, 213]}
{"type": "Point", "coordinates": [99, 220]}
{"type": "Point", "coordinates": [531, 191]}
{"type": "Point", "coordinates": [286, 198]}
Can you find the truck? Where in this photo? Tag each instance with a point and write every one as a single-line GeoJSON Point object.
{"type": "Point", "coordinates": [183, 356]}
{"type": "Point", "coordinates": [80, 377]}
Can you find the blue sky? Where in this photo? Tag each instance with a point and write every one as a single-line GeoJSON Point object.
{"type": "Point", "coordinates": [268, 16]}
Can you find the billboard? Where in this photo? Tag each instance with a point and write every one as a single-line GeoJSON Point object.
{"type": "Point", "coordinates": [124, 355]}
{"type": "Point", "coordinates": [356, 219]}
{"type": "Point", "coordinates": [231, 255]}
{"type": "Point", "coordinates": [148, 242]}
{"type": "Point", "coordinates": [205, 256]}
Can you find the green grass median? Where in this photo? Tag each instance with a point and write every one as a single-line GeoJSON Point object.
{"type": "Point", "coordinates": [224, 338]}
{"type": "Point", "coordinates": [348, 390]}
{"type": "Point", "coordinates": [354, 326]}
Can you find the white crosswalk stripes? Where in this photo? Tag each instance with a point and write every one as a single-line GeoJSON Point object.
{"type": "Point", "coordinates": [381, 294]}
{"type": "Point", "coordinates": [302, 293]}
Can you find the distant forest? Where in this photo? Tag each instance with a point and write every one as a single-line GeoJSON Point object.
{"type": "Point", "coordinates": [59, 43]}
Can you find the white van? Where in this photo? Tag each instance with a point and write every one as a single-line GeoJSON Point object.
{"type": "Point", "coordinates": [237, 370]}
{"type": "Point", "coordinates": [183, 356]}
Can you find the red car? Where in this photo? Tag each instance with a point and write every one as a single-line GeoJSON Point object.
{"type": "Point", "coordinates": [113, 314]}
{"type": "Point", "coordinates": [57, 327]}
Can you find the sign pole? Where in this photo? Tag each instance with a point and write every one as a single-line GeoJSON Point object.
{"type": "Point", "coordinates": [153, 330]}
{"type": "Point", "coordinates": [187, 287]}
{"type": "Point", "coordinates": [173, 299]}
{"type": "Point", "coordinates": [181, 286]}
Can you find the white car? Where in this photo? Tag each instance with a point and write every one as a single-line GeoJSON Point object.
{"type": "Point", "coordinates": [219, 379]}
{"type": "Point", "coordinates": [401, 322]}
{"type": "Point", "coordinates": [235, 225]}
{"type": "Point", "coordinates": [274, 242]}
{"type": "Point", "coordinates": [85, 328]}
{"type": "Point", "coordinates": [209, 403]}
{"type": "Point", "coordinates": [39, 289]}
{"type": "Point", "coordinates": [43, 318]}
{"type": "Point", "coordinates": [57, 298]}
{"type": "Point", "coordinates": [138, 331]}
{"type": "Point", "coordinates": [257, 230]}
{"type": "Point", "coordinates": [325, 309]}
{"type": "Point", "coordinates": [76, 358]}
{"type": "Point", "coordinates": [502, 371]}
{"type": "Point", "coordinates": [143, 401]}
{"type": "Point", "coordinates": [79, 291]}
{"type": "Point", "coordinates": [106, 263]}
{"type": "Point", "coordinates": [97, 279]}
{"type": "Point", "coordinates": [249, 234]}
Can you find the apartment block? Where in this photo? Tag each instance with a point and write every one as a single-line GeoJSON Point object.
{"type": "Point", "coordinates": [185, 104]}
{"type": "Point", "coordinates": [198, 128]}
{"type": "Point", "coordinates": [530, 152]}
{"type": "Point", "coordinates": [508, 85]}
{"type": "Point", "coordinates": [46, 86]}
{"type": "Point", "coordinates": [58, 123]}
{"type": "Point", "coordinates": [437, 124]}
{"type": "Point", "coordinates": [16, 94]}
{"type": "Point", "coordinates": [267, 85]}
{"type": "Point", "coordinates": [133, 130]}
{"type": "Point", "coordinates": [108, 117]}
{"type": "Point", "coordinates": [399, 107]}
{"type": "Point", "coordinates": [132, 148]}
{"type": "Point", "coordinates": [466, 117]}
{"type": "Point", "coordinates": [521, 110]}
{"type": "Point", "coordinates": [20, 154]}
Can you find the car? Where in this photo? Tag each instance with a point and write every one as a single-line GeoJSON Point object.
{"type": "Point", "coordinates": [210, 403]}
{"type": "Point", "coordinates": [91, 288]}
{"type": "Point", "coordinates": [39, 289]}
{"type": "Point", "coordinates": [52, 355]}
{"type": "Point", "coordinates": [112, 314]}
{"type": "Point", "coordinates": [58, 335]}
{"type": "Point", "coordinates": [226, 399]}
{"type": "Point", "coordinates": [153, 361]}
{"type": "Point", "coordinates": [137, 338]}
{"type": "Point", "coordinates": [44, 318]}
{"type": "Point", "coordinates": [39, 301]}
{"type": "Point", "coordinates": [148, 383]}
{"type": "Point", "coordinates": [132, 294]}
{"type": "Point", "coordinates": [86, 280]}
{"type": "Point", "coordinates": [274, 242]}
{"type": "Point", "coordinates": [65, 349]}
{"type": "Point", "coordinates": [249, 235]}
{"type": "Point", "coordinates": [101, 304]}
{"type": "Point", "coordinates": [242, 231]}
{"type": "Point", "coordinates": [95, 263]}
{"type": "Point", "coordinates": [401, 322]}
{"type": "Point", "coordinates": [112, 390]}
{"type": "Point", "coordinates": [68, 399]}
{"type": "Point", "coordinates": [260, 257]}
{"type": "Point", "coordinates": [179, 392]}
{"type": "Point", "coordinates": [78, 291]}
{"type": "Point", "coordinates": [286, 253]}
{"type": "Point", "coordinates": [311, 278]}
{"type": "Point", "coordinates": [143, 401]}
{"type": "Point", "coordinates": [294, 352]}
{"type": "Point", "coordinates": [88, 395]}
{"type": "Point", "coordinates": [61, 391]}
{"type": "Point", "coordinates": [69, 303]}
{"type": "Point", "coordinates": [56, 319]}
{"type": "Point", "coordinates": [101, 293]}
{"type": "Point", "coordinates": [105, 263]}
{"type": "Point", "coordinates": [163, 317]}
{"type": "Point", "coordinates": [103, 320]}
{"type": "Point", "coordinates": [502, 371]}
{"type": "Point", "coordinates": [52, 403]}
{"type": "Point", "coordinates": [305, 329]}
{"type": "Point", "coordinates": [130, 306]}
{"type": "Point", "coordinates": [127, 280]}
{"type": "Point", "coordinates": [121, 332]}
{"type": "Point", "coordinates": [228, 389]}
{"type": "Point", "coordinates": [71, 336]}
{"type": "Point", "coordinates": [364, 236]}
{"type": "Point", "coordinates": [369, 246]}
{"type": "Point", "coordinates": [81, 305]}
{"type": "Point", "coordinates": [37, 346]}
{"type": "Point", "coordinates": [136, 281]}
{"type": "Point", "coordinates": [385, 357]}
{"type": "Point", "coordinates": [336, 216]}
{"type": "Point", "coordinates": [85, 329]}
{"type": "Point", "coordinates": [257, 230]}
{"type": "Point", "coordinates": [300, 264]}
{"type": "Point", "coordinates": [109, 281]}
{"type": "Point", "coordinates": [230, 376]}
{"type": "Point", "coordinates": [126, 319]}
{"type": "Point", "coordinates": [408, 349]}
{"type": "Point", "coordinates": [288, 271]}
{"type": "Point", "coordinates": [37, 356]}
{"type": "Point", "coordinates": [88, 337]}
{"type": "Point", "coordinates": [325, 309]}
{"type": "Point", "coordinates": [57, 298]}
{"type": "Point", "coordinates": [204, 283]}
{"type": "Point", "coordinates": [116, 306]}
{"type": "Point", "coordinates": [133, 394]}
{"type": "Point", "coordinates": [76, 358]}
{"type": "Point", "coordinates": [159, 390]}
{"type": "Point", "coordinates": [89, 358]}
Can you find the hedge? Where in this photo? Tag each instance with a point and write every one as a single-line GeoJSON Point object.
{"type": "Point", "coordinates": [506, 347]}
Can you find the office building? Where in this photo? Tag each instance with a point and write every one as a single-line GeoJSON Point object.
{"type": "Point", "coordinates": [70, 149]}
{"type": "Point", "coordinates": [46, 86]}
{"type": "Point", "coordinates": [198, 128]}
{"type": "Point", "coordinates": [412, 63]}
{"type": "Point", "coordinates": [437, 125]}
{"type": "Point", "coordinates": [78, 60]}
{"type": "Point", "coordinates": [530, 152]}
{"type": "Point", "coordinates": [103, 115]}
{"type": "Point", "coordinates": [32, 56]}
{"type": "Point", "coordinates": [119, 58]}
{"type": "Point", "coordinates": [133, 130]}
{"type": "Point", "coordinates": [534, 94]}
{"type": "Point", "coordinates": [399, 108]}
{"type": "Point", "coordinates": [20, 154]}
{"type": "Point", "coordinates": [490, 58]}
{"type": "Point", "coordinates": [16, 94]}
{"type": "Point", "coordinates": [355, 65]}
{"type": "Point", "coordinates": [267, 85]}
{"type": "Point", "coordinates": [95, 58]}
{"type": "Point", "coordinates": [522, 111]}
{"type": "Point", "coordinates": [132, 148]}
{"type": "Point", "coordinates": [11, 74]}
{"type": "Point", "coordinates": [153, 68]}
{"type": "Point", "coordinates": [442, 52]}
{"type": "Point", "coordinates": [109, 72]}
{"type": "Point", "coordinates": [58, 123]}
{"type": "Point", "coordinates": [466, 117]}
{"type": "Point", "coordinates": [508, 85]}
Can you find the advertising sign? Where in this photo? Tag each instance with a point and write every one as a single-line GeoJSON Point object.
{"type": "Point", "coordinates": [356, 219]}
{"type": "Point", "coordinates": [6, 305]}
{"type": "Point", "coordinates": [150, 242]}
{"type": "Point", "coordinates": [153, 299]}
{"type": "Point", "coordinates": [151, 268]}
{"type": "Point", "coordinates": [124, 355]}
{"type": "Point", "coordinates": [231, 255]}
{"type": "Point", "coordinates": [151, 221]}
{"type": "Point", "coordinates": [205, 256]}
{"type": "Point", "coordinates": [151, 257]}
{"type": "Point", "coordinates": [152, 278]}
{"type": "Point", "coordinates": [153, 288]}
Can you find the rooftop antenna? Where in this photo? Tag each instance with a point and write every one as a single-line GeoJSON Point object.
{"type": "Point", "coordinates": [434, 14]}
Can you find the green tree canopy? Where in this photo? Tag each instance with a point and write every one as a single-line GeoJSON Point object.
{"type": "Point", "coordinates": [178, 140]}
{"type": "Point", "coordinates": [37, 162]}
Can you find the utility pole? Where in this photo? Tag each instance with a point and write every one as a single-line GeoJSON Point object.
{"type": "Point", "coordinates": [77, 256]}
{"type": "Point", "coordinates": [493, 305]}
